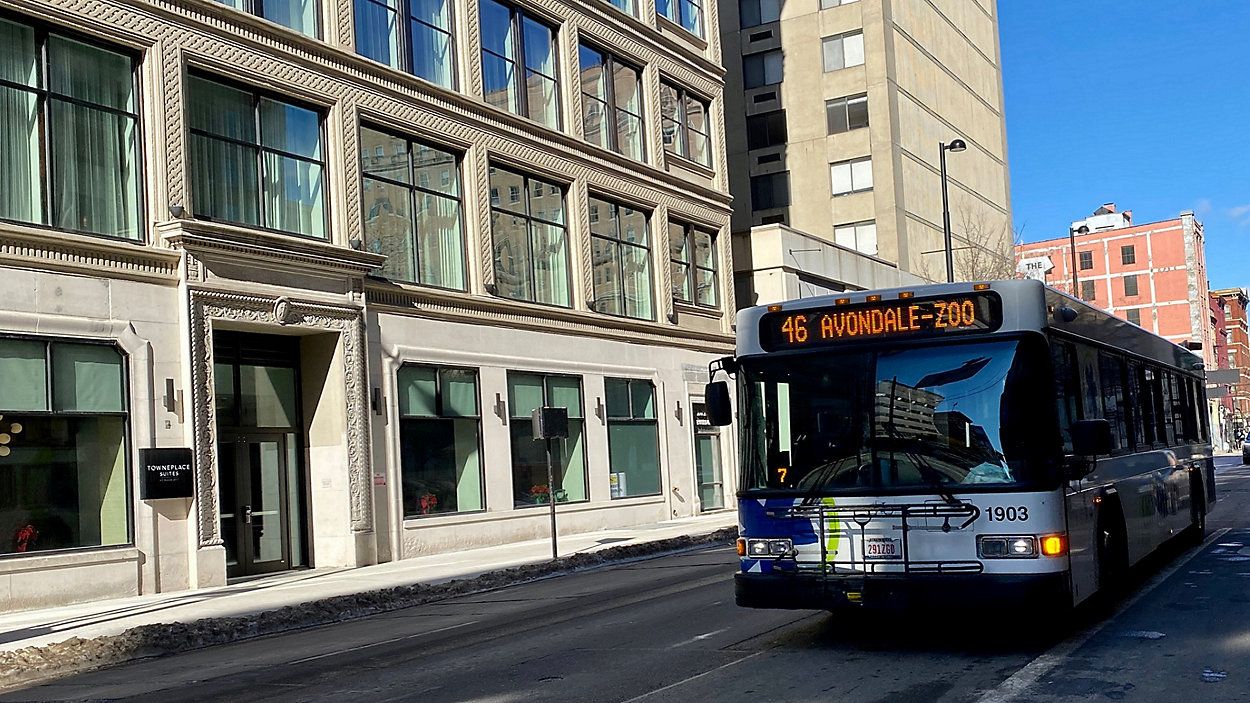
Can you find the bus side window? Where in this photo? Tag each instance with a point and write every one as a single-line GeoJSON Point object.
{"type": "Point", "coordinates": [1111, 373]}
{"type": "Point", "coordinates": [1067, 389]}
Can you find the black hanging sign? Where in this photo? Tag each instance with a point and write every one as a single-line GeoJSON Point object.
{"type": "Point", "coordinates": [167, 473]}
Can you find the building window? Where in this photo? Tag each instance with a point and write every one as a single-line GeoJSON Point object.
{"type": "Point", "coordinates": [1134, 316]}
{"type": "Point", "coordinates": [826, 4]}
{"type": "Point", "coordinates": [1087, 260]}
{"type": "Point", "coordinates": [621, 261]}
{"type": "Point", "coordinates": [69, 122]}
{"type": "Point", "coordinates": [685, 124]}
{"type": "Point", "coordinates": [255, 159]}
{"type": "Point", "coordinates": [1128, 254]}
{"type": "Point", "coordinates": [686, 13]}
{"type": "Point", "coordinates": [63, 425]}
{"type": "Point", "coordinates": [771, 190]}
{"type": "Point", "coordinates": [426, 49]}
{"type": "Point", "coordinates": [860, 236]}
{"type": "Point", "coordinates": [439, 440]}
{"type": "Point", "coordinates": [762, 69]}
{"type": "Point", "coordinates": [627, 6]}
{"type": "Point", "coordinates": [633, 438]}
{"type": "Point", "coordinates": [300, 15]}
{"type": "Point", "coordinates": [1087, 290]}
{"type": "Point", "coordinates": [752, 13]}
{"type": "Point", "coordinates": [843, 51]}
{"type": "Point", "coordinates": [766, 130]}
{"type": "Point", "coordinates": [412, 212]}
{"type": "Point", "coordinates": [530, 241]}
{"type": "Point", "coordinates": [1130, 285]}
{"type": "Point", "coordinates": [527, 391]}
{"type": "Point", "coordinates": [692, 258]}
{"type": "Point", "coordinates": [851, 176]}
{"type": "Point", "coordinates": [611, 103]}
{"type": "Point", "coordinates": [519, 63]}
{"type": "Point", "coordinates": [845, 114]}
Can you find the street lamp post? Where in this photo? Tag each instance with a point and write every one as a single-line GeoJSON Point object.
{"type": "Point", "coordinates": [955, 146]}
{"type": "Point", "coordinates": [1072, 232]}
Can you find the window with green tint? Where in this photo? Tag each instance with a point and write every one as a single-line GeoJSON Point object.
{"type": "Point", "coordinates": [633, 438]}
{"type": "Point", "coordinates": [256, 159]}
{"type": "Point", "coordinates": [23, 375]}
{"type": "Point", "coordinates": [68, 147]}
{"type": "Point", "coordinates": [440, 441]}
{"type": "Point", "coordinates": [527, 391]}
{"type": "Point", "coordinates": [63, 477]}
{"type": "Point", "coordinates": [267, 396]}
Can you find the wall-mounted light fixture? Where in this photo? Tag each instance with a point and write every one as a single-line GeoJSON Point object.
{"type": "Point", "coordinates": [599, 411]}
{"type": "Point", "coordinates": [678, 414]}
{"type": "Point", "coordinates": [501, 408]}
{"type": "Point", "coordinates": [376, 401]}
{"type": "Point", "coordinates": [173, 399]}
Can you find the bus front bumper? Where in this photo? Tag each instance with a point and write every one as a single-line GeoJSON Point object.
{"type": "Point", "coordinates": [889, 592]}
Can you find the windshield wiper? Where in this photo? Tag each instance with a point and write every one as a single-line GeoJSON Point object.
{"type": "Point", "coordinates": [819, 472]}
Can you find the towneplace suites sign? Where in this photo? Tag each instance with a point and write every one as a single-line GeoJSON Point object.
{"type": "Point", "coordinates": [167, 473]}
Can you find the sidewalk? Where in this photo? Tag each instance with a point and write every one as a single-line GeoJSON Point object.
{"type": "Point", "coordinates": [38, 628]}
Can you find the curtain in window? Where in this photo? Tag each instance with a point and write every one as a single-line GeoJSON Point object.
{"type": "Point", "coordinates": [377, 31]}
{"type": "Point", "coordinates": [224, 181]}
{"type": "Point", "coordinates": [20, 185]}
{"type": "Point", "coordinates": [551, 264]}
{"type": "Point", "coordinates": [23, 375]}
{"type": "Point", "coordinates": [300, 15]}
{"type": "Point", "coordinates": [440, 241]}
{"type": "Point", "coordinates": [94, 160]}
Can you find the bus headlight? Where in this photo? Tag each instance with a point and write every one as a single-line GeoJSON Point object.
{"type": "Point", "coordinates": [769, 548]}
{"type": "Point", "coordinates": [1007, 547]}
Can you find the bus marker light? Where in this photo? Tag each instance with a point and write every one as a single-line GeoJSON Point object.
{"type": "Point", "coordinates": [855, 596]}
{"type": "Point", "coordinates": [981, 286]}
{"type": "Point", "coordinates": [907, 294]}
{"type": "Point", "coordinates": [1054, 545]}
{"type": "Point", "coordinates": [874, 298]}
{"type": "Point", "coordinates": [842, 301]}
{"type": "Point", "coordinates": [774, 308]}
{"type": "Point", "coordinates": [742, 547]}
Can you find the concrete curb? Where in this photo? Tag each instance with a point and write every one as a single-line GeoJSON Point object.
{"type": "Point", "coordinates": [31, 665]}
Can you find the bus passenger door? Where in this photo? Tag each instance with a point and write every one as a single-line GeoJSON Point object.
{"type": "Point", "coordinates": [1082, 544]}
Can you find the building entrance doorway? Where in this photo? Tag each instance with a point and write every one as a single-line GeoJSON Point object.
{"type": "Point", "coordinates": [707, 462]}
{"type": "Point", "coordinates": [260, 471]}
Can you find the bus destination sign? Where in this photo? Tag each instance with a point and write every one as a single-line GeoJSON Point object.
{"type": "Point", "coordinates": [883, 319]}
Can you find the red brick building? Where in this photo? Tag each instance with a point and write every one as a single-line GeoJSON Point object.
{"type": "Point", "coordinates": [1235, 303]}
{"type": "Point", "coordinates": [1152, 274]}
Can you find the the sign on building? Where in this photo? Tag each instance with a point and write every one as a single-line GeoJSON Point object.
{"type": "Point", "coordinates": [166, 473]}
{"type": "Point", "coordinates": [1036, 267]}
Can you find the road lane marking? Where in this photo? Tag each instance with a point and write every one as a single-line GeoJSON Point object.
{"type": "Point", "coordinates": [377, 644]}
{"type": "Point", "coordinates": [1022, 680]}
{"type": "Point", "coordinates": [696, 676]}
{"type": "Point", "coordinates": [698, 638]}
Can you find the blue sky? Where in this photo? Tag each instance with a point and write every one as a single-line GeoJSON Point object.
{"type": "Point", "coordinates": [1144, 104]}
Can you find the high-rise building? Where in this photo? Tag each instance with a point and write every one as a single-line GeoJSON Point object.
{"type": "Point", "coordinates": [836, 110]}
{"type": "Point", "coordinates": [283, 281]}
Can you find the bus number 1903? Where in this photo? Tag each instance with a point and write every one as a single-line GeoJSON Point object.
{"type": "Point", "coordinates": [1008, 514]}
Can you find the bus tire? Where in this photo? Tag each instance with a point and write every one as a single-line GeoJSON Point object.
{"type": "Point", "coordinates": [1197, 531]}
{"type": "Point", "coordinates": [1112, 548]}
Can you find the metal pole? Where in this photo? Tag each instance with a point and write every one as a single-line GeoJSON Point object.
{"type": "Point", "coordinates": [1072, 244]}
{"type": "Point", "coordinates": [551, 498]}
{"type": "Point", "coordinates": [946, 218]}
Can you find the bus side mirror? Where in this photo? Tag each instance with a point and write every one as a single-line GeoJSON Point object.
{"type": "Point", "coordinates": [1091, 438]}
{"type": "Point", "coordinates": [719, 409]}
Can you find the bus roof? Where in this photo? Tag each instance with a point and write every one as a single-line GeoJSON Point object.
{"type": "Point", "coordinates": [1027, 305]}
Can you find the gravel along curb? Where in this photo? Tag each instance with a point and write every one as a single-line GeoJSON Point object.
{"type": "Point", "coordinates": [75, 655]}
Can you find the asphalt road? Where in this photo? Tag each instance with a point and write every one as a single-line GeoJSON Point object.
{"type": "Point", "coordinates": [667, 630]}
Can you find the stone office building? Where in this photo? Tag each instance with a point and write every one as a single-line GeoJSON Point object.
{"type": "Point", "coordinates": [337, 251]}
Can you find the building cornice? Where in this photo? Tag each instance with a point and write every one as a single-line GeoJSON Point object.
{"type": "Point", "coordinates": [465, 308]}
{"type": "Point", "coordinates": [254, 246]}
{"type": "Point", "coordinates": [41, 248]}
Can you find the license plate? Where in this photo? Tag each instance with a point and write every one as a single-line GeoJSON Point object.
{"type": "Point", "coordinates": [882, 548]}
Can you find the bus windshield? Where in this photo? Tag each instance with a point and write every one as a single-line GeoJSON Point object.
{"type": "Point", "coordinates": [940, 417]}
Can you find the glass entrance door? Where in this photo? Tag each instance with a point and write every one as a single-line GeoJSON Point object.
{"type": "Point", "coordinates": [707, 465]}
{"type": "Point", "coordinates": [254, 503]}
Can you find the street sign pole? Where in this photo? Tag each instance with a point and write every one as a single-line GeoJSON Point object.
{"type": "Point", "coordinates": [548, 424]}
{"type": "Point", "coordinates": [551, 498]}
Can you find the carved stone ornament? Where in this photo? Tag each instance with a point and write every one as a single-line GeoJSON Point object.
{"type": "Point", "coordinates": [208, 307]}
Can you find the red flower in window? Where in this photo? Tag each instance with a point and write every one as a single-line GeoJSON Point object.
{"type": "Point", "coordinates": [24, 537]}
{"type": "Point", "coordinates": [429, 501]}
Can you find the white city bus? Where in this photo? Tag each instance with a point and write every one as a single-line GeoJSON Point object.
{"type": "Point", "coordinates": [969, 443]}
